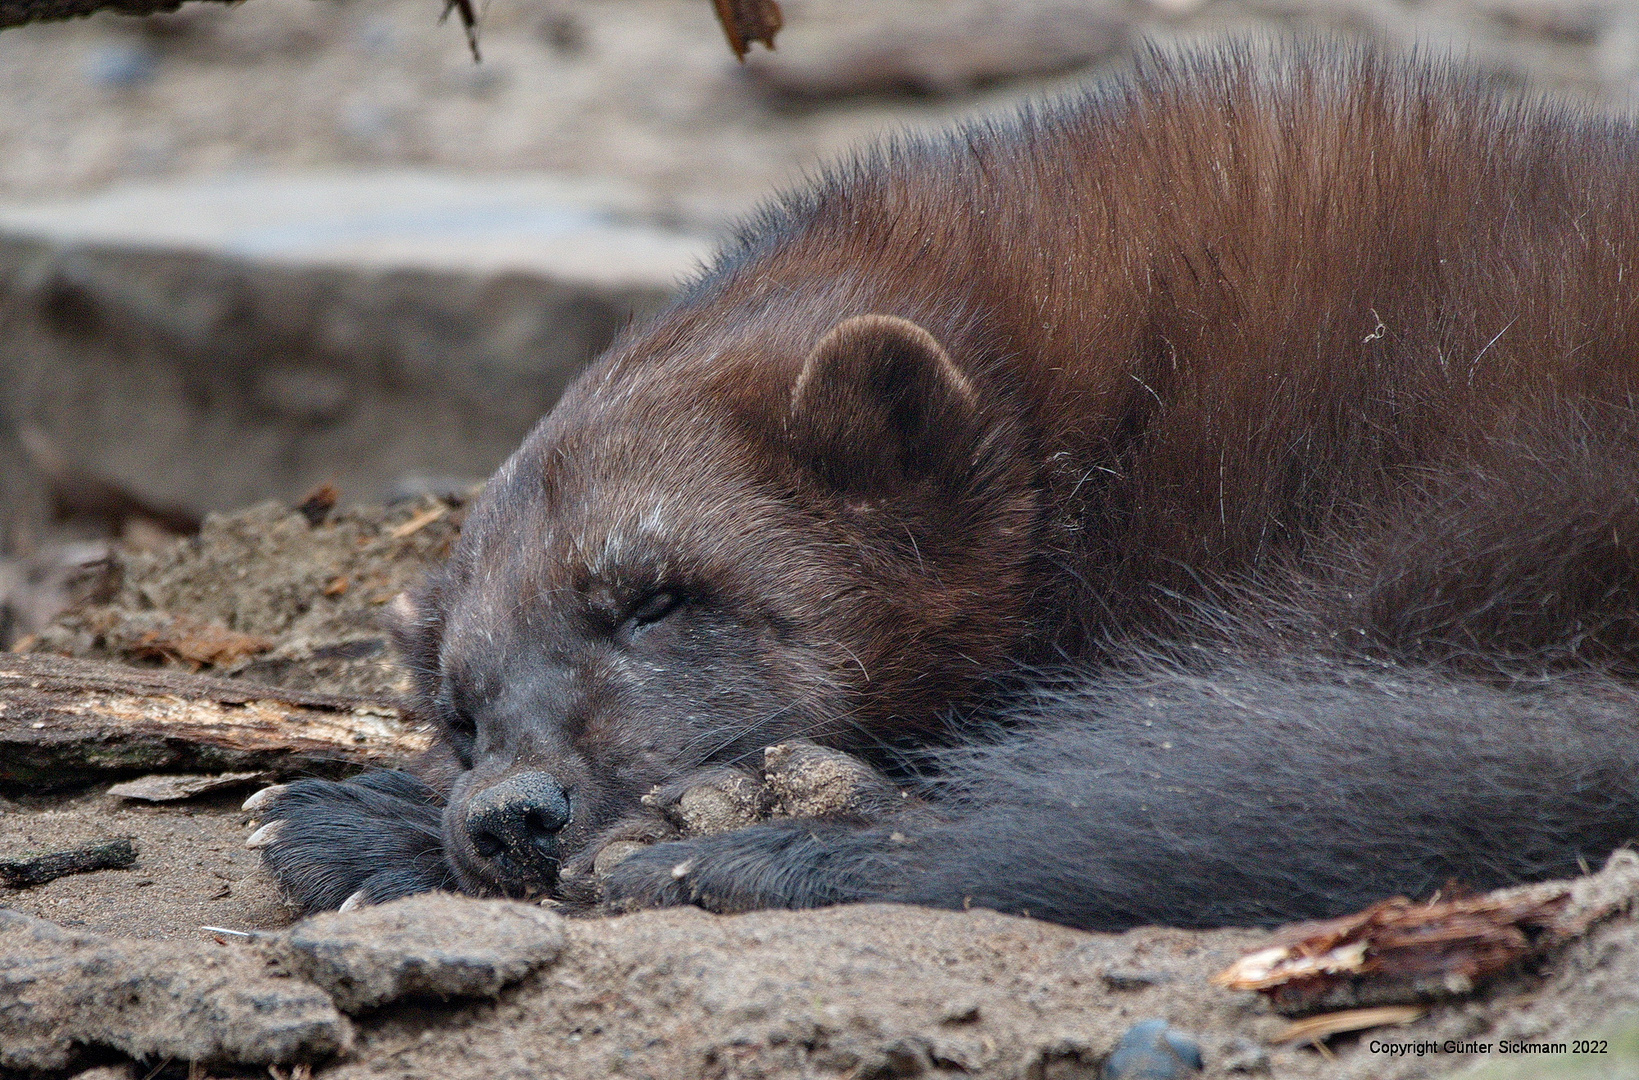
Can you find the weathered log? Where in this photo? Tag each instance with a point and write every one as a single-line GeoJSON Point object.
{"type": "Point", "coordinates": [68, 722]}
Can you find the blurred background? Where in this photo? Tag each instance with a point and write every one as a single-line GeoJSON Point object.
{"type": "Point", "coordinates": [247, 252]}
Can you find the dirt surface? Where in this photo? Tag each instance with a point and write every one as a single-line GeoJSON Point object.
{"type": "Point", "coordinates": [293, 602]}
{"type": "Point", "coordinates": [315, 596]}
{"type": "Point", "coordinates": [856, 991]}
{"type": "Point", "coordinates": [192, 866]}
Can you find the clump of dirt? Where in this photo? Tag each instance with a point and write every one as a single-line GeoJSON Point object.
{"type": "Point", "coordinates": [268, 594]}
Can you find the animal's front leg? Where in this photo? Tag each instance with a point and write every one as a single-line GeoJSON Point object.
{"type": "Point", "coordinates": [780, 864]}
{"type": "Point", "coordinates": [373, 838]}
{"type": "Point", "coordinates": [823, 846]}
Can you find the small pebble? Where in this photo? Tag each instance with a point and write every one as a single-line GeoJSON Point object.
{"type": "Point", "coordinates": [1152, 1050]}
{"type": "Point", "coordinates": [1132, 979]}
{"type": "Point", "coordinates": [122, 66]}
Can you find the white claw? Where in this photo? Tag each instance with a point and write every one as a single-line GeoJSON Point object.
{"type": "Point", "coordinates": [357, 900]}
{"type": "Point", "coordinates": [682, 870]}
{"type": "Point", "coordinates": [262, 798]}
{"type": "Point", "coordinates": [265, 835]}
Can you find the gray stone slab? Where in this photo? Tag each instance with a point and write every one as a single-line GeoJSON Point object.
{"type": "Point", "coordinates": [61, 992]}
{"type": "Point", "coordinates": [432, 945]}
{"type": "Point", "coordinates": [570, 231]}
{"type": "Point", "coordinates": [207, 344]}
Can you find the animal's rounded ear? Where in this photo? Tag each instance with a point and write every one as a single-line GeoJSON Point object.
{"type": "Point", "coordinates": [417, 628]}
{"type": "Point", "coordinates": [878, 403]}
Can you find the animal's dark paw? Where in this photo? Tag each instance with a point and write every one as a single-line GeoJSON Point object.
{"type": "Point", "coordinates": [672, 875]}
{"type": "Point", "coordinates": [373, 838]}
{"type": "Point", "coordinates": [780, 864]}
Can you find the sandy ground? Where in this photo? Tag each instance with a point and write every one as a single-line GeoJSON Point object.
{"type": "Point", "coordinates": [313, 596]}
{"type": "Point", "coordinates": [192, 867]}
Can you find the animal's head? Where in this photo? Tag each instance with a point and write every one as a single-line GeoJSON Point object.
{"type": "Point", "coordinates": [701, 552]}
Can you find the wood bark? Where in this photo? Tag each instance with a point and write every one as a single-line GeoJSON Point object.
{"type": "Point", "coordinates": [70, 722]}
{"type": "Point", "coordinates": [18, 12]}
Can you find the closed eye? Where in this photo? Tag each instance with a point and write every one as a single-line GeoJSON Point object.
{"type": "Point", "coordinates": [458, 721]}
{"type": "Point", "coordinates": [650, 610]}
{"type": "Point", "coordinates": [461, 724]}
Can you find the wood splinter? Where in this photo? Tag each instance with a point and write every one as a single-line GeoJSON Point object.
{"type": "Point", "coordinates": [37, 869]}
{"type": "Point", "coordinates": [1398, 952]}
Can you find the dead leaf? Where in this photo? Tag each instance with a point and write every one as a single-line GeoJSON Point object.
{"type": "Point", "coordinates": [337, 586]}
{"type": "Point", "coordinates": [317, 504]}
{"type": "Point", "coordinates": [199, 644]}
{"type": "Point", "coordinates": [161, 787]}
{"type": "Point", "coordinates": [746, 21]}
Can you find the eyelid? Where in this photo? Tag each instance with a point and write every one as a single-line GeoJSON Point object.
{"type": "Point", "coordinates": [454, 716]}
{"type": "Point", "coordinates": [654, 607]}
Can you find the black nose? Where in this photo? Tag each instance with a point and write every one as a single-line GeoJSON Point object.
{"type": "Point", "coordinates": [516, 822]}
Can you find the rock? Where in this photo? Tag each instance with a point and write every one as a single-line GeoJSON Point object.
{"type": "Point", "coordinates": [431, 945]}
{"type": "Point", "coordinates": [62, 991]}
{"type": "Point", "coordinates": [1152, 1050]}
{"type": "Point", "coordinates": [162, 787]}
{"type": "Point", "coordinates": [1131, 978]}
{"type": "Point", "coordinates": [205, 344]}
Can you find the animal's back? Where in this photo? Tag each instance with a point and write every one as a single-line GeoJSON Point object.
{"type": "Point", "coordinates": [1242, 303]}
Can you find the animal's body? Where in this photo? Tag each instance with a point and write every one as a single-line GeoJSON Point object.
{"type": "Point", "coordinates": [1216, 497]}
